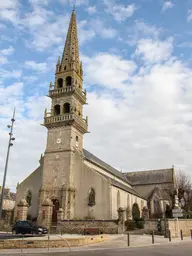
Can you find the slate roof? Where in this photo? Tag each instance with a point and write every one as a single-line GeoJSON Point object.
{"type": "Point", "coordinates": [9, 195]}
{"type": "Point", "coordinates": [127, 189]}
{"type": "Point", "coordinates": [150, 177]}
{"type": "Point", "coordinates": [92, 158]}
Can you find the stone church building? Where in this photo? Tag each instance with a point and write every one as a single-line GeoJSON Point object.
{"type": "Point", "coordinates": [72, 180]}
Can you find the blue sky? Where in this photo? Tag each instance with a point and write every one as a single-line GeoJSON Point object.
{"type": "Point", "coordinates": [137, 70]}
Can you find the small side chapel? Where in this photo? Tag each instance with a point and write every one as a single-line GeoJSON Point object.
{"type": "Point", "coordinates": [71, 180]}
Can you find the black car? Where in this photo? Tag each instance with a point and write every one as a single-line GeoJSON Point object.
{"type": "Point", "coordinates": [27, 227]}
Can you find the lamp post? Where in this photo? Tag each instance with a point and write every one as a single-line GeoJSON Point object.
{"type": "Point", "coordinates": [7, 160]}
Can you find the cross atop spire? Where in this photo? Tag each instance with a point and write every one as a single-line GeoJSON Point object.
{"type": "Point", "coordinates": [70, 56]}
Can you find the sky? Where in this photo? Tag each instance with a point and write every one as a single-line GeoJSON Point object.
{"type": "Point", "coordinates": [137, 62]}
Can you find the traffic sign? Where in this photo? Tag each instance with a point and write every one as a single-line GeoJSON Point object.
{"type": "Point", "coordinates": [177, 212]}
{"type": "Point", "coordinates": [177, 215]}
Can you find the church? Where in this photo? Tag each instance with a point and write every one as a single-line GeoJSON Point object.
{"type": "Point", "coordinates": [72, 179]}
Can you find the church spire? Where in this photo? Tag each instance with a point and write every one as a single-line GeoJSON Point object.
{"type": "Point", "coordinates": [70, 58]}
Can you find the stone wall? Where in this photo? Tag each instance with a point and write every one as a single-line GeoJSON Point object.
{"type": "Point", "coordinates": [72, 242]}
{"type": "Point", "coordinates": [182, 224]}
{"type": "Point", "coordinates": [151, 225]}
{"type": "Point", "coordinates": [32, 183]}
{"type": "Point", "coordinates": [171, 224]}
{"type": "Point", "coordinates": [78, 226]}
{"type": "Point", "coordinates": [86, 178]}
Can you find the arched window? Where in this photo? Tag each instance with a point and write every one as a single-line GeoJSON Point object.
{"type": "Point", "coordinates": [118, 200]}
{"type": "Point", "coordinates": [66, 108]}
{"type": "Point", "coordinates": [128, 200]}
{"type": "Point", "coordinates": [91, 199]}
{"type": "Point", "coordinates": [68, 81]}
{"type": "Point", "coordinates": [29, 197]}
{"type": "Point", "coordinates": [55, 210]}
{"type": "Point", "coordinates": [60, 83]}
{"type": "Point", "coordinates": [157, 208]}
{"type": "Point", "coordinates": [142, 204]}
{"type": "Point", "coordinates": [57, 110]}
{"type": "Point", "coordinates": [135, 211]}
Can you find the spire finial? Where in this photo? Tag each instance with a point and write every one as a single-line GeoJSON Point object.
{"type": "Point", "coordinates": [74, 8]}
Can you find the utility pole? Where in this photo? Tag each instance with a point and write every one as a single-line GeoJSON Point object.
{"type": "Point", "coordinates": [7, 160]}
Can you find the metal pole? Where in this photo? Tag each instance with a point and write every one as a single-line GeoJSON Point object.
{"type": "Point", "coordinates": [48, 239]}
{"type": "Point", "coordinates": [153, 238]}
{"type": "Point", "coordinates": [181, 234]}
{"type": "Point", "coordinates": [128, 239]}
{"type": "Point", "coordinates": [164, 213]}
{"type": "Point", "coordinates": [6, 164]}
{"type": "Point", "coordinates": [169, 235]}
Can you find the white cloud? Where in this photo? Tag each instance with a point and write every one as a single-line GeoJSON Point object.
{"type": "Point", "coordinates": [154, 50]}
{"type": "Point", "coordinates": [91, 9]}
{"type": "Point", "coordinates": [74, 2]}
{"type": "Point", "coordinates": [38, 67]}
{"type": "Point", "coordinates": [38, 2]}
{"type": "Point", "coordinates": [108, 70]}
{"type": "Point", "coordinates": [8, 4]}
{"type": "Point", "coordinates": [150, 124]}
{"type": "Point", "coordinates": [3, 59]}
{"type": "Point", "coordinates": [85, 33]}
{"type": "Point", "coordinates": [189, 18]}
{"type": "Point", "coordinates": [101, 30]}
{"type": "Point", "coordinates": [9, 10]}
{"type": "Point", "coordinates": [142, 30]}
{"type": "Point", "coordinates": [185, 44]}
{"type": "Point", "coordinates": [7, 51]}
{"type": "Point", "coordinates": [119, 11]}
{"type": "Point", "coordinates": [167, 5]}
{"type": "Point", "coordinates": [8, 74]}
{"type": "Point", "coordinates": [29, 79]}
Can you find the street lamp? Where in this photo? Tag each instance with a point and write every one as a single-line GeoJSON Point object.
{"type": "Point", "coordinates": [10, 144]}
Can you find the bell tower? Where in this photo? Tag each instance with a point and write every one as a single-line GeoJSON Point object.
{"type": "Point", "coordinates": [65, 124]}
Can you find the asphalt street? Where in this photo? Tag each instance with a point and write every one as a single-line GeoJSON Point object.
{"type": "Point", "coordinates": [184, 249]}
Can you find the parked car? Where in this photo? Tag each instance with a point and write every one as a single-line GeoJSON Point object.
{"type": "Point", "coordinates": [27, 227]}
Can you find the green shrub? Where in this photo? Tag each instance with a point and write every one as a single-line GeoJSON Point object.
{"type": "Point", "coordinates": [130, 224]}
{"type": "Point", "coordinates": [140, 224]}
{"type": "Point", "coordinates": [135, 211]}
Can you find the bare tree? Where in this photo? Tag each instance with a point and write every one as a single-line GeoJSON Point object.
{"type": "Point", "coordinates": [184, 187]}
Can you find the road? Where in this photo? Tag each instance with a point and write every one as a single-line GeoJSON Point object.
{"type": "Point", "coordinates": [155, 250]}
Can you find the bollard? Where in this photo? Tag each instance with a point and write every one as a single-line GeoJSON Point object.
{"type": "Point", "coordinates": [153, 238]}
{"type": "Point", "coordinates": [191, 234]}
{"type": "Point", "coordinates": [48, 239]}
{"type": "Point", "coordinates": [128, 239]}
{"type": "Point", "coordinates": [169, 235]}
{"type": "Point", "coordinates": [22, 243]}
{"type": "Point", "coordinates": [181, 233]}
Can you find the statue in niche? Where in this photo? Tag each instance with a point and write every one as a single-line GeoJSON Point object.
{"type": "Point", "coordinates": [29, 197]}
{"type": "Point", "coordinates": [91, 197]}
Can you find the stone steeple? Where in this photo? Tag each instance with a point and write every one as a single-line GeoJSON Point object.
{"type": "Point", "coordinates": [71, 50]}
{"type": "Point", "coordinates": [67, 93]}
{"type": "Point", "coordinates": [66, 126]}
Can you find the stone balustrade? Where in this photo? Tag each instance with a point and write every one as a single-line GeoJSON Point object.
{"type": "Point", "coordinates": [68, 89]}
{"type": "Point", "coordinates": [48, 119]}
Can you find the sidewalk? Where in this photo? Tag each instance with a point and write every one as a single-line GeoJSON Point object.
{"type": "Point", "coordinates": [115, 241]}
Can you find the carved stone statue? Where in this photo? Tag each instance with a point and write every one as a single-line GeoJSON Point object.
{"type": "Point", "coordinates": [91, 197]}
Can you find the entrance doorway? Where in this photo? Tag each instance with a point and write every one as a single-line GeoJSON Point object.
{"type": "Point", "coordinates": [55, 210]}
